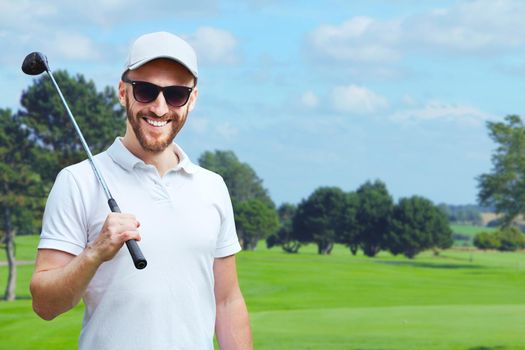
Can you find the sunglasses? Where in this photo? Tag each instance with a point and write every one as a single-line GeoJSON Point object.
{"type": "Point", "coordinates": [144, 92]}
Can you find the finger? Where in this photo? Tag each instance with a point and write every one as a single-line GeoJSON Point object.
{"type": "Point", "coordinates": [122, 224]}
{"type": "Point", "coordinates": [132, 234]}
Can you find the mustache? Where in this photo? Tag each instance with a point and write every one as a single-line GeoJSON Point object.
{"type": "Point", "coordinates": [151, 115]}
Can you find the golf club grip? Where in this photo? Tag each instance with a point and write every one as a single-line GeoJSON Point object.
{"type": "Point", "coordinates": [136, 254]}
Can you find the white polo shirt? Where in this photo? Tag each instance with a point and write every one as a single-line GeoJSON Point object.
{"type": "Point", "coordinates": [186, 221]}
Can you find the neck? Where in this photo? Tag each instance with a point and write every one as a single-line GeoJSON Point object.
{"type": "Point", "coordinates": [163, 161]}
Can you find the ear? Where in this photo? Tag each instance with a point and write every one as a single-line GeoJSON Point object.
{"type": "Point", "coordinates": [193, 99]}
{"type": "Point", "coordinates": [122, 93]}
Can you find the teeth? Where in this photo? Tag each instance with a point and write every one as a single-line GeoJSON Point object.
{"type": "Point", "coordinates": [157, 122]}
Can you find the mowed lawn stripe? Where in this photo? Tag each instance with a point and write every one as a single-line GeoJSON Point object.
{"type": "Point", "coordinates": [404, 328]}
{"type": "Point", "coordinates": [272, 280]}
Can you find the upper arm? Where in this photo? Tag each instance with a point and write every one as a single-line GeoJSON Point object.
{"type": "Point", "coordinates": [50, 259]}
{"type": "Point", "coordinates": [226, 281]}
{"type": "Point", "coordinates": [64, 224]}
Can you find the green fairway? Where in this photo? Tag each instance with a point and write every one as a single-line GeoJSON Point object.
{"type": "Point", "coordinates": [461, 299]}
{"type": "Point", "coordinates": [470, 230]}
{"type": "Point", "coordinates": [464, 234]}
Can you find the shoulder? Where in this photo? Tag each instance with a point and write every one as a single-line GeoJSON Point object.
{"type": "Point", "coordinates": [209, 180]}
{"type": "Point", "coordinates": [82, 173]}
{"type": "Point", "coordinates": [206, 174]}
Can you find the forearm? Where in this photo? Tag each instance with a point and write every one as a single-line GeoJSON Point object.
{"type": "Point", "coordinates": [57, 290]}
{"type": "Point", "coordinates": [232, 326]}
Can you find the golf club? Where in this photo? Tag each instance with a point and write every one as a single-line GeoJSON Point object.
{"type": "Point", "coordinates": [36, 63]}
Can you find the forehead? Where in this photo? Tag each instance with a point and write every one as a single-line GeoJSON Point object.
{"type": "Point", "coordinates": [163, 72]}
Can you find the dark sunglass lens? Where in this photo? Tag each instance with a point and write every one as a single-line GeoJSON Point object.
{"type": "Point", "coordinates": [145, 92]}
{"type": "Point", "coordinates": [177, 96]}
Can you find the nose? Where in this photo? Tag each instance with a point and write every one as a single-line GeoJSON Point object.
{"type": "Point", "coordinates": [160, 106]}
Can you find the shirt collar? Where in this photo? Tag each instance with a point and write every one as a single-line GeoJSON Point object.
{"type": "Point", "coordinates": [123, 157]}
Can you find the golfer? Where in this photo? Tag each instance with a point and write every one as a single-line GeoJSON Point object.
{"type": "Point", "coordinates": [180, 213]}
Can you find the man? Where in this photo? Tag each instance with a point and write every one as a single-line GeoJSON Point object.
{"type": "Point", "coordinates": [180, 213]}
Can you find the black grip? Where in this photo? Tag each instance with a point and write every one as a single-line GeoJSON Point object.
{"type": "Point", "coordinates": [136, 254]}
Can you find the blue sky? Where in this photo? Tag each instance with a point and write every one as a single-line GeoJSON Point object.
{"type": "Point", "coordinates": [311, 93]}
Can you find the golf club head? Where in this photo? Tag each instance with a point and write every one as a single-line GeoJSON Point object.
{"type": "Point", "coordinates": [35, 63]}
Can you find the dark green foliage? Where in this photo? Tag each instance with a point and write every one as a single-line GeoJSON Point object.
{"type": "Point", "coordinates": [504, 186]}
{"type": "Point", "coordinates": [417, 225]}
{"type": "Point", "coordinates": [348, 227]}
{"type": "Point", "coordinates": [255, 220]}
{"type": "Point", "coordinates": [285, 236]}
{"type": "Point", "coordinates": [441, 231]}
{"type": "Point", "coordinates": [22, 193]}
{"type": "Point", "coordinates": [373, 216]}
{"type": "Point", "coordinates": [318, 218]}
{"type": "Point", "coordinates": [255, 213]}
{"type": "Point", "coordinates": [98, 114]}
{"type": "Point", "coordinates": [242, 181]}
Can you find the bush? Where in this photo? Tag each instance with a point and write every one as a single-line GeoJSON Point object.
{"type": "Point", "coordinates": [486, 240]}
{"type": "Point", "coordinates": [507, 239]}
{"type": "Point", "coordinates": [511, 239]}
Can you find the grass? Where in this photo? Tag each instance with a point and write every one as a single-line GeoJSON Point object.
{"type": "Point", "coordinates": [464, 234]}
{"type": "Point", "coordinates": [459, 300]}
{"type": "Point", "coordinates": [470, 230]}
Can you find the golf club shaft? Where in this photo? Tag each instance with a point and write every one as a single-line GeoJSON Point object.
{"type": "Point", "coordinates": [136, 254]}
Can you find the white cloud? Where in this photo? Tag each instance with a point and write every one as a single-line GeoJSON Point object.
{"type": "Point", "coordinates": [60, 13]}
{"type": "Point", "coordinates": [309, 100]}
{"type": "Point", "coordinates": [360, 39]}
{"type": "Point", "coordinates": [442, 111]}
{"type": "Point", "coordinates": [356, 99]}
{"type": "Point", "coordinates": [62, 27]}
{"type": "Point", "coordinates": [75, 46]}
{"type": "Point", "coordinates": [473, 27]}
{"type": "Point", "coordinates": [214, 45]}
{"type": "Point", "coordinates": [476, 27]}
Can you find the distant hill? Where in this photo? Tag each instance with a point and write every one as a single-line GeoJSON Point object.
{"type": "Point", "coordinates": [468, 214]}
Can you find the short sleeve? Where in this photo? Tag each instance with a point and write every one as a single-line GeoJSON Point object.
{"type": "Point", "coordinates": [227, 242]}
{"type": "Point", "coordinates": [64, 222]}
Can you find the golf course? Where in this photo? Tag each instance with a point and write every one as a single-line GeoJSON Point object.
{"type": "Point", "coordinates": [461, 299]}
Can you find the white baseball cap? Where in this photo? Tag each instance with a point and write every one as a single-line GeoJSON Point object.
{"type": "Point", "coordinates": [149, 47]}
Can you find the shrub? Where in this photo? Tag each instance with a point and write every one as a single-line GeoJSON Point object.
{"type": "Point", "coordinates": [486, 240]}
{"type": "Point", "coordinates": [511, 239]}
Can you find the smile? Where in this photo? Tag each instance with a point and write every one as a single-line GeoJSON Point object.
{"type": "Point", "coordinates": [156, 123]}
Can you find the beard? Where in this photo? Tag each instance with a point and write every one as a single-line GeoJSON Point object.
{"type": "Point", "coordinates": [159, 144]}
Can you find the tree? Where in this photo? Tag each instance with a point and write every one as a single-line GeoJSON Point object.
{"type": "Point", "coordinates": [441, 231]}
{"type": "Point", "coordinates": [247, 194]}
{"type": "Point", "coordinates": [285, 236]}
{"type": "Point", "coordinates": [504, 186]}
{"type": "Point", "coordinates": [486, 240]}
{"type": "Point", "coordinates": [242, 181]}
{"type": "Point", "coordinates": [98, 114]}
{"type": "Point", "coordinates": [417, 225]}
{"type": "Point", "coordinates": [318, 218]}
{"type": "Point", "coordinates": [373, 216]}
{"type": "Point", "coordinates": [21, 190]}
{"type": "Point", "coordinates": [348, 232]}
{"type": "Point", "coordinates": [255, 220]}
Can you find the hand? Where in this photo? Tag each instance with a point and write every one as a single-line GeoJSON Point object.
{"type": "Point", "coordinates": [117, 229]}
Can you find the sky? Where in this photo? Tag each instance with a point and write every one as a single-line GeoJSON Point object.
{"type": "Point", "coordinates": [310, 93]}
